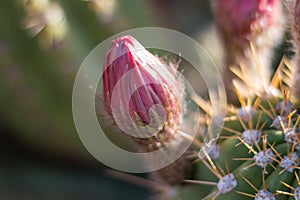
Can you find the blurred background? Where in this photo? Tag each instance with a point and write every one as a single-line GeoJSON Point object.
{"type": "Point", "coordinates": [42, 44]}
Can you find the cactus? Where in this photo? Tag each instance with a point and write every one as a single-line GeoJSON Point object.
{"type": "Point", "coordinates": [259, 146]}
{"type": "Point", "coordinates": [257, 155]}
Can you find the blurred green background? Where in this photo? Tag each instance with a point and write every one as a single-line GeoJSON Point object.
{"type": "Point", "coordinates": [42, 44]}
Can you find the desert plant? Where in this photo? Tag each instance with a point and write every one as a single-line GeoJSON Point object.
{"type": "Point", "coordinates": [257, 155]}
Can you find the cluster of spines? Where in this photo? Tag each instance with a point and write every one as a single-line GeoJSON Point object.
{"type": "Point", "coordinates": [268, 130]}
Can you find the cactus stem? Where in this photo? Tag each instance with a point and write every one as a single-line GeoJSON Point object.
{"type": "Point", "coordinates": [262, 194]}
{"type": "Point", "coordinates": [251, 185]}
{"type": "Point", "coordinates": [227, 181]}
{"type": "Point", "coordinates": [277, 154]}
{"type": "Point", "coordinates": [296, 193]}
{"type": "Point", "coordinates": [214, 195]}
{"type": "Point", "coordinates": [211, 166]}
{"type": "Point", "coordinates": [296, 190]}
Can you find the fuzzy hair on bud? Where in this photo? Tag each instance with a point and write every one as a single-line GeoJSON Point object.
{"type": "Point", "coordinates": [145, 98]}
{"type": "Point", "coordinates": [139, 95]}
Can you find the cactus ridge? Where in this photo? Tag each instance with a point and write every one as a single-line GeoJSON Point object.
{"type": "Point", "coordinates": [258, 148]}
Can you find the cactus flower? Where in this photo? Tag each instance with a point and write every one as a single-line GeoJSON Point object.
{"type": "Point", "coordinates": [138, 92]}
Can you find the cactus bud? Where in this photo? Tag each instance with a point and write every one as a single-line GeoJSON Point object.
{"type": "Point", "coordinates": [138, 94]}
{"type": "Point", "coordinates": [145, 98]}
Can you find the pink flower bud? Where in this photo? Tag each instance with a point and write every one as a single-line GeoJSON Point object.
{"type": "Point", "coordinates": [146, 99]}
{"type": "Point", "coordinates": [141, 92]}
